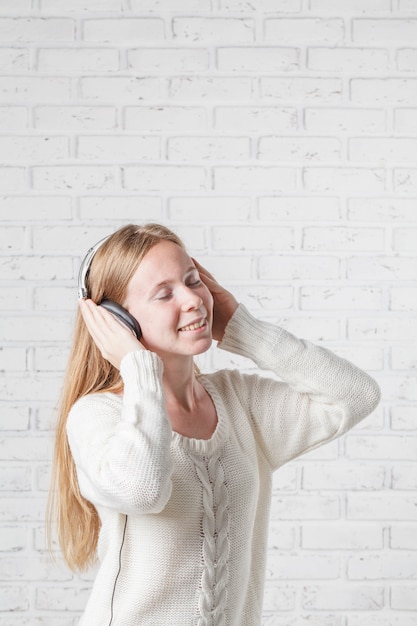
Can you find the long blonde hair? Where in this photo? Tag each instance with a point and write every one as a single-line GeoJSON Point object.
{"type": "Point", "coordinates": [75, 518]}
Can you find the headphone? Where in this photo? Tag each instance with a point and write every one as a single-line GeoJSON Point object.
{"type": "Point", "coordinates": [120, 313]}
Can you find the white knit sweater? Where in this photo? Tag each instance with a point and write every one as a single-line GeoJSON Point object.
{"type": "Point", "coordinates": [184, 521]}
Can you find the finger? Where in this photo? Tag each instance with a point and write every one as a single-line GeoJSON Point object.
{"type": "Point", "coordinates": [202, 270]}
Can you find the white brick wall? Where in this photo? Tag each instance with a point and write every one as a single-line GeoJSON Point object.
{"type": "Point", "coordinates": [278, 137]}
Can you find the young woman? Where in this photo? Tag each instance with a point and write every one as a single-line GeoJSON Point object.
{"type": "Point", "coordinates": [164, 473]}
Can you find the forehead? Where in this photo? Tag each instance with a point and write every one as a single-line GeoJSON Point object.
{"type": "Point", "coordinates": [163, 262]}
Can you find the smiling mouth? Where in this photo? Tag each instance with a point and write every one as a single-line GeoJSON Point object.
{"type": "Point", "coordinates": [195, 326]}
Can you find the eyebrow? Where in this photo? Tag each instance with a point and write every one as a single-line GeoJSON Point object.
{"type": "Point", "coordinates": [168, 280]}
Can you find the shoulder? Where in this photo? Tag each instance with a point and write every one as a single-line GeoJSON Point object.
{"type": "Point", "coordinates": [95, 407]}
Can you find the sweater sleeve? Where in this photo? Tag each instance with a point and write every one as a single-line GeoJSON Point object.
{"type": "Point", "coordinates": [121, 446]}
{"type": "Point", "coordinates": [320, 396]}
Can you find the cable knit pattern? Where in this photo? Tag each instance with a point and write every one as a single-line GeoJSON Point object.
{"type": "Point", "coordinates": [194, 550]}
{"type": "Point", "coordinates": [215, 525]}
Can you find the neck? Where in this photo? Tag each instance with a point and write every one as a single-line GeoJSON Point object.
{"type": "Point", "coordinates": [179, 384]}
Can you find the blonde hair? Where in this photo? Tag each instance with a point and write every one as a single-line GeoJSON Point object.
{"type": "Point", "coordinates": [76, 519]}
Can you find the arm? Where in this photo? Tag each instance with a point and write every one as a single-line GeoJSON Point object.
{"type": "Point", "coordinates": [322, 395]}
{"type": "Point", "coordinates": [121, 446]}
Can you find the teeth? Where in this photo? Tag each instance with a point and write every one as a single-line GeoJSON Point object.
{"type": "Point", "coordinates": [194, 326]}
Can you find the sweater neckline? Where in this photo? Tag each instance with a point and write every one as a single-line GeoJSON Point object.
{"type": "Point", "coordinates": [203, 447]}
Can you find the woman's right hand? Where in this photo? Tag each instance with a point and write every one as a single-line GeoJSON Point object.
{"type": "Point", "coordinates": [110, 336]}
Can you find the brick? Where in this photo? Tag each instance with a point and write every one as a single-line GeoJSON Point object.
{"type": "Point", "coordinates": [381, 268]}
{"type": "Point", "coordinates": [278, 599]}
{"type": "Point", "coordinates": [255, 118]}
{"type": "Point", "coordinates": [14, 598]}
{"type": "Point", "coordinates": [403, 418]}
{"type": "Point", "coordinates": [407, 6]}
{"type": "Point", "coordinates": [196, 30]}
{"type": "Point", "coordinates": [11, 6]}
{"type": "Point", "coordinates": [123, 30]}
{"type": "Point", "coordinates": [22, 509]}
{"type": "Point", "coordinates": [76, 6]}
{"type": "Point", "coordinates": [12, 539]}
{"type": "Point", "coordinates": [227, 238]}
{"type": "Point", "coordinates": [30, 148]}
{"type": "Point", "coordinates": [210, 88]}
{"type": "Point", "coordinates": [343, 596]}
{"type": "Point", "coordinates": [270, 59]}
{"type": "Point", "coordinates": [292, 208]}
{"type": "Point", "coordinates": [214, 209]}
{"type": "Point", "coordinates": [298, 267]}
{"type": "Point", "coordinates": [298, 149]}
{"type": "Point", "coordinates": [407, 60]}
{"type": "Point", "coordinates": [354, 60]}
{"type": "Point", "coordinates": [13, 359]}
{"type": "Point", "coordinates": [65, 60]}
{"type": "Point", "coordinates": [15, 418]}
{"type": "Point", "coordinates": [14, 299]}
{"type": "Point", "coordinates": [124, 89]}
{"type": "Point", "coordinates": [12, 179]}
{"type": "Point", "coordinates": [281, 538]}
{"type": "Point", "coordinates": [341, 298]}
{"type": "Point", "coordinates": [381, 506]}
{"type": "Point", "coordinates": [194, 238]}
{"type": "Point", "coordinates": [61, 598]}
{"type": "Point", "coordinates": [380, 447]}
{"type": "Point", "coordinates": [384, 149]}
{"type": "Point", "coordinates": [29, 328]}
{"type": "Point", "coordinates": [405, 120]}
{"type": "Point", "coordinates": [402, 358]}
{"type": "Point", "coordinates": [75, 118]}
{"type": "Point", "coordinates": [32, 29]}
{"type": "Point", "coordinates": [384, 209]}
{"type": "Point", "coordinates": [389, 566]}
{"type": "Point", "coordinates": [13, 239]}
{"type": "Point", "coordinates": [382, 328]}
{"type": "Point", "coordinates": [343, 476]}
{"type": "Point", "coordinates": [404, 597]}
{"type": "Point", "coordinates": [403, 537]}
{"type": "Point", "coordinates": [50, 359]}
{"type": "Point", "coordinates": [405, 180]}
{"type": "Point", "coordinates": [384, 91]}
{"type": "Point", "coordinates": [332, 179]}
{"type": "Point", "coordinates": [14, 60]}
{"type": "Point", "coordinates": [15, 479]}
{"type": "Point", "coordinates": [195, 148]}
{"type": "Point", "coordinates": [345, 120]}
{"type": "Point", "coordinates": [342, 536]}
{"type": "Point", "coordinates": [118, 148]}
{"type": "Point", "coordinates": [268, 6]}
{"type": "Point", "coordinates": [343, 239]}
{"type": "Point", "coordinates": [384, 31]}
{"type": "Point", "coordinates": [303, 90]}
{"type": "Point", "coordinates": [254, 177]}
{"type": "Point", "coordinates": [36, 268]}
{"type": "Point", "coordinates": [174, 6]}
{"type": "Point", "coordinates": [304, 31]}
{"type": "Point", "coordinates": [135, 208]}
{"type": "Point", "coordinates": [403, 476]}
{"type": "Point", "coordinates": [165, 118]}
{"type": "Point", "coordinates": [312, 567]}
{"type": "Point", "coordinates": [405, 240]}
{"type": "Point", "coordinates": [162, 177]}
{"type": "Point", "coordinates": [305, 507]}
{"type": "Point", "coordinates": [382, 618]}
{"type": "Point", "coordinates": [78, 177]}
{"type": "Point", "coordinates": [169, 60]}
{"type": "Point", "coordinates": [13, 118]}
{"type": "Point", "coordinates": [20, 90]}
{"type": "Point", "coordinates": [338, 7]}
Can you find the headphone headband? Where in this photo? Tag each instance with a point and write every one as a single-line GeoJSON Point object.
{"type": "Point", "coordinates": [85, 268]}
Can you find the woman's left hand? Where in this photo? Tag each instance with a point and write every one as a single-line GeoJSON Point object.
{"type": "Point", "coordinates": [225, 304]}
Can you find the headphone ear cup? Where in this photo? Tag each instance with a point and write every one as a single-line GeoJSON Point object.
{"type": "Point", "coordinates": [122, 316]}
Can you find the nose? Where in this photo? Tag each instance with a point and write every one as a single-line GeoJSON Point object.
{"type": "Point", "coordinates": [190, 299]}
